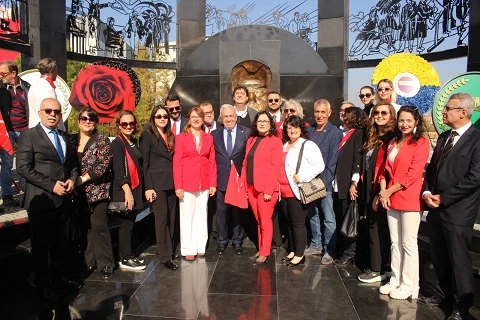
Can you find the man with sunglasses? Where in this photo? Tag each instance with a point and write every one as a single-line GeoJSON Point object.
{"type": "Point", "coordinates": [14, 108]}
{"type": "Point", "coordinates": [172, 102]}
{"type": "Point", "coordinates": [274, 103]}
{"type": "Point", "coordinates": [46, 159]}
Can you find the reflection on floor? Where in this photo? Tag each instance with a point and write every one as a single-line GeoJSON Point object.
{"type": "Point", "coordinates": [221, 287]}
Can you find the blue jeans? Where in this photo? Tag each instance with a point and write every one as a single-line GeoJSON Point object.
{"type": "Point", "coordinates": [7, 165]}
{"type": "Point", "coordinates": [322, 221]}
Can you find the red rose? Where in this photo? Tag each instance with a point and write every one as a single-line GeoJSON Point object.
{"type": "Point", "coordinates": [103, 89]}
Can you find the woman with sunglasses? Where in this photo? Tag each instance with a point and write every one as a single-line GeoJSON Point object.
{"type": "Point", "coordinates": [400, 192]}
{"type": "Point", "coordinates": [385, 93]}
{"type": "Point", "coordinates": [381, 130]}
{"type": "Point", "coordinates": [367, 97]}
{"type": "Point", "coordinates": [290, 107]}
{"type": "Point", "coordinates": [93, 190]}
{"type": "Point", "coordinates": [195, 179]}
{"type": "Point", "coordinates": [127, 185]}
{"type": "Point", "coordinates": [157, 144]}
{"type": "Point", "coordinates": [261, 172]}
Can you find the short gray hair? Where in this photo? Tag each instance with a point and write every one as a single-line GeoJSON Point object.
{"type": "Point", "coordinates": [226, 106]}
{"type": "Point", "coordinates": [348, 102]}
{"type": "Point", "coordinates": [296, 105]}
{"type": "Point", "coordinates": [466, 102]}
{"type": "Point", "coordinates": [323, 102]}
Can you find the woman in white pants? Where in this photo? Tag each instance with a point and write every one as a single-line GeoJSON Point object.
{"type": "Point", "coordinates": [195, 179]}
{"type": "Point", "coordinates": [400, 184]}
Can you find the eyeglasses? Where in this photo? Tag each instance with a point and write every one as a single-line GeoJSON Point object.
{"type": "Point", "coordinates": [177, 108]}
{"type": "Point", "coordinates": [447, 108]}
{"type": "Point", "coordinates": [208, 113]}
{"type": "Point", "coordinates": [4, 74]}
{"type": "Point", "coordinates": [84, 119]}
{"type": "Point", "coordinates": [49, 111]}
{"type": "Point", "coordinates": [161, 116]}
{"type": "Point", "coordinates": [290, 110]}
{"type": "Point", "coordinates": [384, 89]}
{"type": "Point", "coordinates": [263, 121]}
{"type": "Point", "coordinates": [271, 100]}
{"type": "Point", "coordinates": [125, 125]}
{"type": "Point", "coordinates": [368, 95]}
{"type": "Point", "coordinates": [383, 113]}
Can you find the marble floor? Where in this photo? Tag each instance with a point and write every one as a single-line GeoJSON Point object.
{"type": "Point", "coordinates": [220, 287]}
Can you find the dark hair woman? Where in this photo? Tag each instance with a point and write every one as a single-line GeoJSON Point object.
{"type": "Point", "coordinates": [296, 137]}
{"type": "Point", "coordinates": [367, 97]}
{"type": "Point", "coordinates": [195, 179]}
{"type": "Point", "coordinates": [347, 177]}
{"type": "Point", "coordinates": [381, 130]}
{"type": "Point", "coordinates": [401, 179]}
{"type": "Point", "coordinates": [261, 171]}
{"type": "Point", "coordinates": [127, 184]}
{"type": "Point", "coordinates": [93, 190]}
{"type": "Point", "coordinates": [157, 145]}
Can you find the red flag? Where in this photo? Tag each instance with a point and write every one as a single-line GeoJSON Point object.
{"type": "Point", "coordinates": [236, 195]}
{"type": "Point", "coordinates": [4, 139]}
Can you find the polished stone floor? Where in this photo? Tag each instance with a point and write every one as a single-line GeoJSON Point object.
{"type": "Point", "coordinates": [221, 287]}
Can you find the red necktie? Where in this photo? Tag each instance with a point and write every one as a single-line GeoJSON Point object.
{"type": "Point", "coordinates": [174, 128]}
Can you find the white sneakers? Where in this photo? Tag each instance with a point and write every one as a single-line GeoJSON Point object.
{"type": "Point", "coordinates": [399, 293]}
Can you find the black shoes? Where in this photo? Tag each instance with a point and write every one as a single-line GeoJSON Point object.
{"type": "Point", "coordinates": [221, 248]}
{"type": "Point", "coordinates": [433, 301]}
{"type": "Point", "coordinates": [457, 315]}
{"type": "Point", "coordinates": [88, 271]}
{"type": "Point", "coordinates": [170, 265]}
{"type": "Point", "coordinates": [238, 249]}
{"type": "Point", "coordinates": [344, 261]}
{"type": "Point", "coordinates": [107, 272]}
{"type": "Point", "coordinates": [286, 259]}
{"type": "Point", "coordinates": [290, 264]}
{"type": "Point", "coordinates": [70, 284]}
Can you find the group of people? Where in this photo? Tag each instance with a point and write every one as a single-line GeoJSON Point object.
{"type": "Point", "coordinates": [181, 166]}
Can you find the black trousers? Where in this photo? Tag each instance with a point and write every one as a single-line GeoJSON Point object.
{"type": "Point", "coordinates": [296, 215]}
{"type": "Point", "coordinates": [227, 214]}
{"type": "Point", "coordinates": [165, 211]}
{"type": "Point", "coordinates": [125, 235]}
{"type": "Point", "coordinates": [99, 243]}
{"type": "Point", "coordinates": [379, 240]}
{"type": "Point", "coordinates": [280, 228]}
{"type": "Point", "coordinates": [49, 237]}
{"type": "Point", "coordinates": [344, 246]}
{"type": "Point", "coordinates": [450, 245]}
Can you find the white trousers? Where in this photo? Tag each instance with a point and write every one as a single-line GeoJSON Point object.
{"type": "Point", "coordinates": [193, 223]}
{"type": "Point", "coordinates": [403, 226]}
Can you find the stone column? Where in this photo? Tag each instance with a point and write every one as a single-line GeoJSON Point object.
{"type": "Point", "coordinates": [473, 63]}
{"type": "Point", "coordinates": [191, 22]}
{"type": "Point", "coordinates": [47, 32]}
{"type": "Point", "coordinates": [332, 38]}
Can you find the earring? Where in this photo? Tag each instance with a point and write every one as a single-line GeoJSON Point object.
{"type": "Point", "coordinates": [414, 130]}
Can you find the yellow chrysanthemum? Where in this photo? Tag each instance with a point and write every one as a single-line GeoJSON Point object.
{"type": "Point", "coordinates": [391, 66]}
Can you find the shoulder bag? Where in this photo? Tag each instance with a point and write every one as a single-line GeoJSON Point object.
{"type": "Point", "coordinates": [118, 207]}
{"type": "Point", "coordinates": [313, 190]}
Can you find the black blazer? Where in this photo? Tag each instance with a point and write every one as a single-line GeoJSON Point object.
{"type": "Point", "coordinates": [157, 162]}
{"type": "Point", "coordinates": [458, 179]}
{"type": "Point", "coordinates": [38, 162]}
{"type": "Point", "coordinates": [223, 159]}
{"type": "Point", "coordinates": [6, 102]}
{"type": "Point", "coordinates": [119, 176]}
{"type": "Point", "coordinates": [348, 163]}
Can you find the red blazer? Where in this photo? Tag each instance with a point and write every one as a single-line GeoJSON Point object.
{"type": "Point", "coordinates": [407, 170]}
{"type": "Point", "coordinates": [267, 163]}
{"type": "Point", "coordinates": [192, 170]}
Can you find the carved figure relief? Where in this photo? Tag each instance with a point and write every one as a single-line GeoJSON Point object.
{"type": "Point", "coordinates": [256, 77]}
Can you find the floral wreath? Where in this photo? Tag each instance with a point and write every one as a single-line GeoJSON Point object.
{"type": "Point", "coordinates": [426, 74]}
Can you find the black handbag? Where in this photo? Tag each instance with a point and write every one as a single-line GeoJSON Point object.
{"type": "Point", "coordinates": [312, 190]}
{"type": "Point", "coordinates": [118, 207]}
{"type": "Point", "coordinates": [349, 227]}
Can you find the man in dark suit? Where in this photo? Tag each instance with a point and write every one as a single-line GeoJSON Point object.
{"type": "Point", "coordinates": [452, 191]}
{"type": "Point", "coordinates": [229, 141]}
{"type": "Point", "coordinates": [178, 122]}
{"type": "Point", "coordinates": [46, 160]}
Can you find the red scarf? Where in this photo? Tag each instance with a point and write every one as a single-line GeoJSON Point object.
{"type": "Point", "coordinates": [131, 167]}
{"type": "Point", "coordinates": [345, 138]}
{"type": "Point", "coordinates": [49, 80]}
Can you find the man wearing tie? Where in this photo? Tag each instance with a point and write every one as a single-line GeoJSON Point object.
{"type": "Point", "coordinates": [177, 121]}
{"type": "Point", "coordinates": [452, 191]}
{"type": "Point", "coordinates": [46, 160]}
{"type": "Point", "coordinates": [229, 141]}
{"type": "Point", "coordinates": [208, 118]}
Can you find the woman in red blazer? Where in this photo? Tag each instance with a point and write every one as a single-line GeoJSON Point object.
{"type": "Point", "coordinates": [400, 193]}
{"type": "Point", "coordinates": [261, 171]}
{"type": "Point", "coordinates": [195, 179]}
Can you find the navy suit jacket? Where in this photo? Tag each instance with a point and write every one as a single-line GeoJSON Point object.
{"type": "Point", "coordinates": [223, 159]}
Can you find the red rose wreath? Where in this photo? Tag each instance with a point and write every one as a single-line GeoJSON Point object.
{"type": "Point", "coordinates": [106, 87]}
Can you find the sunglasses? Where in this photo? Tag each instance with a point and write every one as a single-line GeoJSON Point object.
{"type": "Point", "coordinates": [174, 109]}
{"type": "Point", "coordinates": [4, 74]}
{"type": "Point", "coordinates": [271, 100]}
{"type": "Point", "coordinates": [125, 125]}
{"type": "Point", "coordinates": [49, 111]}
{"type": "Point", "coordinates": [290, 110]}
{"type": "Point", "coordinates": [368, 95]}
{"type": "Point", "coordinates": [161, 116]}
{"type": "Point", "coordinates": [383, 113]}
{"type": "Point", "coordinates": [384, 89]}
{"type": "Point", "coordinates": [84, 119]}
